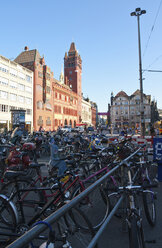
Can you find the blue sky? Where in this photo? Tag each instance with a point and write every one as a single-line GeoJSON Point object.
{"type": "Point", "coordinates": [104, 33]}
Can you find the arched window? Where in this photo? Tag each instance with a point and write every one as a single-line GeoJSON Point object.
{"type": "Point", "coordinates": [65, 122]}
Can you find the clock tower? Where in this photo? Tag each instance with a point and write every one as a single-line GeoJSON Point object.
{"type": "Point", "coordinates": [73, 73]}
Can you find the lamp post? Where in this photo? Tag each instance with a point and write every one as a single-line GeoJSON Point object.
{"type": "Point", "coordinates": [138, 12]}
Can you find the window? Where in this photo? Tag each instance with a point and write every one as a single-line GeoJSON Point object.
{"type": "Point", "coordinates": [13, 97]}
{"type": "Point", "coordinates": [39, 87]}
{"type": "Point", "coordinates": [48, 106]}
{"type": "Point", "coordinates": [3, 81]}
{"type": "Point", "coordinates": [3, 68]}
{"type": "Point", "coordinates": [48, 121]}
{"type": "Point", "coordinates": [48, 90]}
{"type": "Point", "coordinates": [60, 96]}
{"type": "Point", "coordinates": [28, 100]}
{"type": "Point", "coordinates": [55, 94]}
{"type": "Point", "coordinates": [21, 99]}
{"type": "Point", "coordinates": [13, 72]}
{"type": "Point", "coordinates": [3, 94]}
{"type": "Point", "coordinates": [28, 89]}
{"type": "Point", "coordinates": [13, 84]}
{"type": "Point", "coordinates": [3, 108]}
{"type": "Point", "coordinates": [29, 111]}
{"type": "Point", "coordinates": [21, 75]}
{"type": "Point", "coordinates": [39, 105]}
{"type": "Point", "coordinates": [12, 107]}
{"type": "Point", "coordinates": [28, 78]}
{"type": "Point", "coordinates": [40, 74]}
{"type": "Point", "coordinates": [40, 121]}
{"type": "Point", "coordinates": [21, 87]}
{"type": "Point", "coordinates": [48, 76]}
{"type": "Point", "coordinates": [70, 72]}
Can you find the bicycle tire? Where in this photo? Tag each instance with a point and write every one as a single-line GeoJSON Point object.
{"type": "Point", "coordinates": [27, 203]}
{"type": "Point", "coordinates": [149, 205]}
{"type": "Point", "coordinates": [113, 196]}
{"type": "Point", "coordinates": [135, 231]}
{"type": "Point", "coordinates": [95, 205]}
{"type": "Point", "coordinates": [8, 213]}
{"type": "Point", "coordinates": [72, 223]}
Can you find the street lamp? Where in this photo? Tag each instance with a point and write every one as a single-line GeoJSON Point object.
{"type": "Point", "coordinates": [138, 12]}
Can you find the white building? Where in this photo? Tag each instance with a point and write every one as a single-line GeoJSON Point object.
{"type": "Point", "coordinates": [16, 92]}
{"type": "Point", "coordinates": [125, 110]}
{"type": "Point", "coordinates": [86, 112]}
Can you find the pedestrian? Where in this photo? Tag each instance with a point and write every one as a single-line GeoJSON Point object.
{"type": "Point", "coordinates": [152, 131]}
{"type": "Point", "coordinates": [55, 160]}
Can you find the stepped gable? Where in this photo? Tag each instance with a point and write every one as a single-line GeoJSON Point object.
{"type": "Point", "coordinates": [121, 93]}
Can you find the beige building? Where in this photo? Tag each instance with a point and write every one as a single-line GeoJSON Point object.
{"type": "Point", "coordinates": [125, 110]}
{"type": "Point", "coordinates": [16, 92]}
{"type": "Point", "coordinates": [86, 115]}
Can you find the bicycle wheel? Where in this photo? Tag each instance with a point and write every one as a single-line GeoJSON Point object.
{"type": "Point", "coordinates": [136, 235]}
{"type": "Point", "coordinates": [8, 214]}
{"type": "Point", "coordinates": [95, 205]}
{"type": "Point", "coordinates": [30, 201]}
{"type": "Point", "coordinates": [113, 196]}
{"type": "Point", "coordinates": [149, 205]}
{"type": "Point", "coordinates": [71, 226]}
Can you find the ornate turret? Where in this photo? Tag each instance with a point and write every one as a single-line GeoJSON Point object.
{"type": "Point", "coordinates": [62, 76]}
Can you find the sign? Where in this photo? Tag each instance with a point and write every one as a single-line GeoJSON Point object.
{"type": "Point", "coordinates": [103, 113]}
{"type": "Point", "coordinates": [157, 149]}
{"type": "Point", "coordinates": [18, 118]}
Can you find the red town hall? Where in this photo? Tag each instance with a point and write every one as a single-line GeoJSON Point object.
{"type": "Point", "coordinates": [55, 102]}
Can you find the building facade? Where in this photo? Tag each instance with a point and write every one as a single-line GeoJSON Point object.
{"type": "Point", "coordinates": [86, 116]}
{"type": "Point", "coordinates": [125, 110]}
{"type": "Point", "coordinates": [65, 103]}
{"type": "Point", "coordinates": [42, 93]}
{"type": "Point", "coordinates": [73, 75]}
{"type": "Point", "coordinates": [16, 92]}
{"type": "Point", "coordinates": [55, 102]}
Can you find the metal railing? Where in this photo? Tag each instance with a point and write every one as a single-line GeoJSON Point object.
{"type": "Point", "coordinates": [35, 231]}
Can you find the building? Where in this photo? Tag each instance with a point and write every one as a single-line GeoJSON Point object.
{"type": "Point", "coordinates": [125, 110]}
{"type": "Point", "coordinates": [73, 75]}
{"type": "Point", "coordinates": [65, 103]}
{"type": "Point", "coordinates": [16, 92]}
{"type": "Point", "coordinates": [94, 113]}
{"type": "Point", "coordinates": [86, 116]}
{"type": "Point", "coordinates": [55, 101]}
{"type": "Point", "coordinates": [42, 93]}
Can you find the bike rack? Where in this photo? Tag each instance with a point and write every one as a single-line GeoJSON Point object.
{"type": "Point", "coordinates": [35, 231]}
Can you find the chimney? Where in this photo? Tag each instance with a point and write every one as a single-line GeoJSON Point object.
{"type": "Point", "coordinates": [26, 48]}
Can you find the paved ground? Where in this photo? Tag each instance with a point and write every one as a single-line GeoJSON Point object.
{"type": "Point", "coordinates": [115, 237]}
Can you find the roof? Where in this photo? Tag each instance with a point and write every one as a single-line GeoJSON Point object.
{"type": "Point", "coordinates": [72, 47]}
{"type": "Point", "coordinates": [28, 56]}
{"type": "Point", "coordinates": [121, 93]}
{"type": "Point", "coordinates": [137, 92]}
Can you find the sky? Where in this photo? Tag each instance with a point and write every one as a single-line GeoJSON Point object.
{"type": "Point", "coordinates": [105, 35]}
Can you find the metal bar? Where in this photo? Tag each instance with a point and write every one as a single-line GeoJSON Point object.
{"type": "Point", "coordinates": [104, 225]}
{"type": "Point", "coordinates": [35, 231]}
